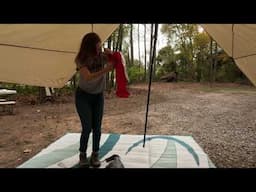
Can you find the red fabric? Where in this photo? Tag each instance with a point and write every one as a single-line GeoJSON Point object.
{"type": "Point", "coordinates": [121, 81]}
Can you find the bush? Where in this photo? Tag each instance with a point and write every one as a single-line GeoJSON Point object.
{"type": "Point", "coordinates": [135, 74]}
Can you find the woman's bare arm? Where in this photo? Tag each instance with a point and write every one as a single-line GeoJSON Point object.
{"type": "Point", "coordinates": [89, 76]}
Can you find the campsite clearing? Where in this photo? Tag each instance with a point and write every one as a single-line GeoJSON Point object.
{"type": "Point", "coordinates": [221, 119]}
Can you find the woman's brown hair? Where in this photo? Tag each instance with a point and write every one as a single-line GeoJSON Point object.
{"type": "Point", "coordinates": [88, 47]}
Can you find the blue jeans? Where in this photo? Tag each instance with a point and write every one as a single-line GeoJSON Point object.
{"type": "Point", "coordinates": [90, 110]}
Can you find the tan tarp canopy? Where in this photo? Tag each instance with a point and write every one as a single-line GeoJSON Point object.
{"type": "Point", "coordinates": [239, 42]}
{"type": "Point", "coordinates": [43, 54]}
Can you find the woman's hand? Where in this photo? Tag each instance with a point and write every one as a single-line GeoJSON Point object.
{"type": "Point", "coordinates": [107, 51]}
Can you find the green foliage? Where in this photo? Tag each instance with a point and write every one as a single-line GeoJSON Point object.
{"type": "Point", "coordinates": [160, 72]}
{"type": "Point", "coordinates": [201, 41]}
{"type": "Point", "coordinates": [194, 60]}
{"type": "Point", "coordinates": [228, 71]}
{"type": "Point", "coordinates": [27, 90]}
{"type": "Point", "coordinates": [135, 72]}
{"type": "Point", "coordinates": [66, 90]}
{"type": "Point", "coordinates": [165, 61]}
{"type": "Point", "coordinates": [21, 89]}
{"type": "Point", "coordinates": [34, 90]}
{"type": "Point", "coordinates": [188, 52]}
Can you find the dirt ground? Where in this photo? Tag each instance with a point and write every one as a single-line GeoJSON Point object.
{"type": "Point", "coordinates": [222, 119]}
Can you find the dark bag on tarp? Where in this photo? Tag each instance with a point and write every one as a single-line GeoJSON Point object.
{"type": "Point", "coordinates": [114, 162]}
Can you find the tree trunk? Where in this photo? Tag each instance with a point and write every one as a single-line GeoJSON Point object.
{"type": "Point", "coordinates": [215, 62]}
{"type": "Point", "coordinates": [139, 43]}
{"type": "Point", "coordinates": [128, 59]}
{"type": "Point", "coordinates": [42, 94]}
{"type": "Point", "coordinates": [154, 50]}
{"type": "Point", "coordinates": [211, 63]}
{"type": "Point", "coordinates": [199, 63]}
{"type": "Point", "coordinates": [109, 42]}
{"type": "Point", "coordinates": [131, 42]}
{"type": "Point", "coordinates": [112, 79]}
{"type": "Point", "coordinates": [121, 31]}
{"type": "Point", "coordinates": [114, 47]}
{"type": "Point", "coordinates": [108, 85]}
{"type": "Point", "coordinates": [151, 44]}
{"type": "Point", "coordinates": [73, 81]}
{"type": "Point", "coordinates": [145, 56]}
{"type": "Point", "coordinates": [118, 43]}
{"type": "Point", "coordinates": [153, 47]}
{"type": "Point", "coordinates": [114, 41]}
{"type": "Point", "coordinates": [192, 68]}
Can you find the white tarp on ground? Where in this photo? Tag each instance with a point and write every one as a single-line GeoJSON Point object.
{"type": "Point", "coordinates": [239, 42]}
{"type": "Point", "coordinates": [43, 54]}
{"type": "Point", "coordinates": [160, 152]}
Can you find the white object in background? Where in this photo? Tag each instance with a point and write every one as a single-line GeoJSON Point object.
{"type": "Point", "coordinates": [7, 92]}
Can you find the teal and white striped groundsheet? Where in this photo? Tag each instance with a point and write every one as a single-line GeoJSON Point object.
{"type": "Point", "coordinates": [160, 151]}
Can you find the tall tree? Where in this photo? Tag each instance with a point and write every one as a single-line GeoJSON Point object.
{"type": "Point", "coordinates": [199, 58]}
{"type": "Point", "coordinates": [145, 56]}
{"type": "Point", "coordinates": [125, 45]}
{"type": "Point", "coordinates": [151, 43]}
{"type": "Point", "coordinates": [73, 81]}
{"type": "Point", "coordinates": [109, 42]}
{"type": "Point", "coordinates": [201, 51]}
{"type": "Point", "coordinates": [215, 61]}
{"type": "Point", "coordinates": [119, 38]}
{"type": "Point", "coordinates": [108, 83]}
{"type": "Point", "coordinates": [182, 35]}
{"type": "Point", "coordinates": [150, 79]}
{"type": "Point", "coordinates": [131, 43]}
{"type": "Point", "coordinates": [211, 62]}
{"type": "Point", "coordinates": [114, 40]}
{"type": "Point", "coordinates": [154, 49]}
{"type": "Point", "coordinates": [139, 44]}
{"type": "Point", "coordinates": [121, 35]}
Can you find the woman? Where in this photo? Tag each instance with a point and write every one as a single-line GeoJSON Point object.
{"type": "Point", "coordinates": [89, 97]}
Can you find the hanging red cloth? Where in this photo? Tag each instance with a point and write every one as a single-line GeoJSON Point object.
{"type": "Point", "coordinates": [121, 76]}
